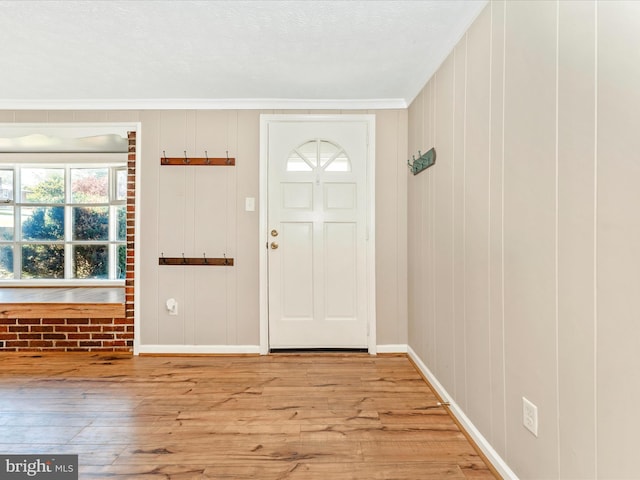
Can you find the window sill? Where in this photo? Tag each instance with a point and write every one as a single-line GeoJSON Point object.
{"type": "Point", "coordinates": [70, 302]}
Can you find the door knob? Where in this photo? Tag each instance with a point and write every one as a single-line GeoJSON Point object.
{"type": "Point", "coordinates": [274, 245]}
{"type": "Point", "coordinates": [274, 233]}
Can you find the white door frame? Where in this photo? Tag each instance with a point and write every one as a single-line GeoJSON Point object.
{"type": "Point", "coordinates": [265, 120]}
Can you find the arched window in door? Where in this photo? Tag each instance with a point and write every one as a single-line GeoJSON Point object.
{"type": "Point", "coordinates": [318, 154]}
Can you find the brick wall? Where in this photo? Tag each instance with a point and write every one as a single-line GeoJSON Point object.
{"type": "Point", "coordinates": [83, 334]}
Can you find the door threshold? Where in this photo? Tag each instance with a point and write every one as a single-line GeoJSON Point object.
{"type": "Point", "coordinates": [318, 350]}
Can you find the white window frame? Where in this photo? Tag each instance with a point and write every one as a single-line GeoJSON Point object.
{"type": "Point", "coordinates": [68, 161]}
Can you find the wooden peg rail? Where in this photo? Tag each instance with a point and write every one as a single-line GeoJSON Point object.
{"type": "Point", "coordinates": [203, 261]}
{"type": "Point", "coordinates": [205, 161]}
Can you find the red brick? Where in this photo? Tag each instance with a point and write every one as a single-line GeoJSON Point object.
{"type": "Point", "coordinates": [4, 328]}
{"type": "Point", "coordinates": [113, 328]}
{"type": "Point", "coordinates": [102, 336]}
{"type": "Point", "coordinates": [42, 328]}
{"type": "Point", "coordinates": [54, 321]}
{"type": "Point", "coordinates": [92, 328]}
{"type": "Point", "coordinates": [66, 328]}
{"type": "Point", "coordinates": [91, 344]}
{"type": "Point", "coordinates": [79, 336]}
{"type": "Point", "coordinates": [8, 336]}
{"type": "Point", "coordinates": [8, 321]}
{"type": "Point", "coordinates": [30, 336]}
{"type": "Point", "coordinates": [54, 336]}
{"type": "Point", "coordinates": [40, 343]}
{"type": "Point", "coordinates": [23, 328]}
{"type": "Point", "coordinates": [77, 321]}
{"type": "Point", "coordinates": [100, 321]}
{"type": "Point", "coordinates": [29, 321]}
{"type": "Point", "coordinates": [65, 344]}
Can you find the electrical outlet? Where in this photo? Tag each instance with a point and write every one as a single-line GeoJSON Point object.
{"type": "Point", "coordinates": [530, 416]}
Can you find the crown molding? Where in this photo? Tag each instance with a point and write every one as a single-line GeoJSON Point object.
{"type": "Point", "coordinates": [204, 104]}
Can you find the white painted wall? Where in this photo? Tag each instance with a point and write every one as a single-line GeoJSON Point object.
{"type": "Point", "coordinates": [523, 238]}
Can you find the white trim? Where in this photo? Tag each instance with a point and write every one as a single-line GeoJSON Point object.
{"type": "Point", "coordinates": [205, 104]}
{"type": "Point", "coordinates": [199, 349]}
{"type": "Point", "coordinates": [265, 119]}
{"type": "Point", "coordinates": [495, 459]}
{"type": "Point", "coordinates": [393, 348]}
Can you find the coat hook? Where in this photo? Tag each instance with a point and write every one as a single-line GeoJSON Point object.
{"type": "Point", "coordinates": [162, 259]}
{"type": "Point", "coordinates": [164, 155]}
{"type": "Point", "coordinates": [226, 261]}
{"type": "Point", "coordinates": [186, 159]}
{"type": "Point", "coordinates": [204, 255]}
{"type": "Point", "coordinates": [228, 161]}
{"type": "Point", "coordinates": [184, 260]}
{"type": "Point", "coordinates": [206, 157]}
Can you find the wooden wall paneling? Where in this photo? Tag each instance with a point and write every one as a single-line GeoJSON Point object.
{"type": "Point", "coordinates": [576, 238]}
{"type": "Point", "coordinates": [414, 324]}
{"type": "Point", "coordinates": [530, 234]}
{"type": "Point", "coordinates": [459, 241]}
{"type": "Point", "coordinates": [149, 218]}
{"type": "Point", "coordinates": [211, 306]}
{"type": "Point", "coordinates": [497, 435]}
{"type": "Point", "coordinates": [66, 116]}
{"type": "Point", "coordinates": [401, 228]}
{"type": "Point", "coordinates": [231, 274]}
{"type": "Point", "coordinates": [443, 225]}
{"type": "Point", "coordinates": [247, 227]}
{"type": "Point", "coordinates": [30, 116]}
{"type": "Point", "coordinates": [90, 115]}
{"type": "Point", "coordinates": [476, 222]}
{"type": "Point", "coordinates": [429, 225]}
{"type": "Point", "coordinates": [618, 237]}
{"type": "Point", "coordinates": [386, 239]}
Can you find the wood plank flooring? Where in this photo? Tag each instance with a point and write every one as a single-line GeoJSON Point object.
{"type": "Point", "coordinates": [308, 416]}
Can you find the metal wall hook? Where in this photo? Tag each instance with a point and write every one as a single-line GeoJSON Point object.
{"type": "Point", "coordinates": [226, 261]}
{"type": "Point", "coordinates": [204, 255]}
{"type": "Point", "coordinates": [186, 159]}
{"type": "Point", "coordinates": [206, 156]}
{"type": "Point", "coordinates": [184, 260]}
{"type": "Point", "coordinates": [228, 160]}
{"type": "Point", "coordinates": [162, 259]}
{"type": "Point", "coordinates": [164, 157]}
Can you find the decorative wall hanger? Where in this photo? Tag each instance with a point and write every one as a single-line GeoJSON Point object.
{"type": "Point", "coordinates": [204, 260]}
{"type": "Point", "coordinates": [424, 161]}
{"type": "Point", "coordinates": [197, 161]}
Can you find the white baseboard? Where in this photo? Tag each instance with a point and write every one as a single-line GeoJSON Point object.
{"type": "Point", "coordinates": [499, 464]}
{"type": "Point", "coordinates": [199, 349]}
{"type": "Point", "coordinates": [392, 348]}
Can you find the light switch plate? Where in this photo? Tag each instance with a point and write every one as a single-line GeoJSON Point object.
{"type": "Point", "coordinates": [249, 204]}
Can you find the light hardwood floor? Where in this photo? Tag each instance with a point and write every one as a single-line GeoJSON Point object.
{"type": "Point", "coordinates": [304, 416]}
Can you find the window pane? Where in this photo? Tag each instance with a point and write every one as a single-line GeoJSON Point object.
{"type": "Point", "coordinates": [90, 185]}
{"type": "Point", "coordinates": [121, 223]}
{"type": "Point", "coordinates": [297, 164]}
{"type": "Point", "coordinates": [6, 261]}
{"type": "Point", "coordinates": [122, 262]}
{"type": "Point", "coordinates": [91, 261]}
{"type": "Point", "coordinates": [121, 184]}
{"type": "Point", "coordinates": [339, 164]}
{"type": "Point", "coordinates": [42, 261]}
{"type": "Point", "coordinates": [327, 151]}
{"type": "Point", "coordinates": [6, 185]}
{"type": "Point", "coordinates": [42, 223]}
{"type": "Point", "coordinates": [42, 185]}
{"type": "Point", "coordinates": [6, 223]}
{"type": "Point", "coordinates": [91, 223]}
{"type": "Point", "coordinates": [309, 151]}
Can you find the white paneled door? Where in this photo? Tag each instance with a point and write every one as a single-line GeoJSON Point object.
{"type": "Point", "coordinates": [317, 234]}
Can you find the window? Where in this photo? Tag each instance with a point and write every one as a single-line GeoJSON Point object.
{"type": "Point", "coordinates": [318, 154]}
{"type": "Point", "coordinates": [63, 221]}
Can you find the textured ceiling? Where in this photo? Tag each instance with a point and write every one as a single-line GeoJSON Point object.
{"type": "Point", "coordinates": [215, 50]}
